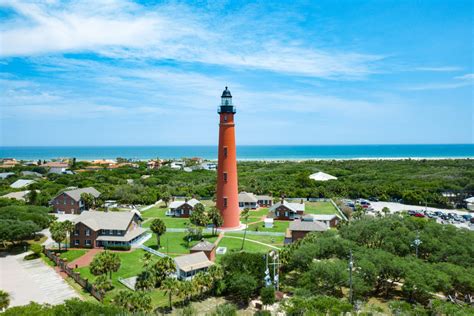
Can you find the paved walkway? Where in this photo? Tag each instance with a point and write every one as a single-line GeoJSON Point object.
{"type": "Point", "coordinates": [32, 280]}
{"type": "Point", "coordinates": [86, 259]}
{"type": "Point", "coordinates": [221, 235]}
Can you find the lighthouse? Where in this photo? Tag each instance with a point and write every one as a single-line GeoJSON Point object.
{"type": "Point", "coordinates": [227, 185]}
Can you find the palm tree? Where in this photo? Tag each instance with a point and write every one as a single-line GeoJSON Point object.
{"type": "Point", "coordinates": [245, 214]}
{"type": "Point", "coordinates": [105, 263]}
{"type": "Point", "coordinates": [58, 233]}
{"type": "Point", "coordinates": [186, 290]}
{"type": "Point", "coordinates": [4, 300]}
{"type": "Point", "coordinates": [203, 282]}
{"type": "Point", "coordinates": [216, 274]}
{"type": "Point", "coordinates": [146, 280]}
{"type": "Point", "coordinates": [159, 228]}
{"type": "Point", "coordinates": [170, 285]}
{"type": "Point", "coordinates": [68, 227]}
{"type": "Point", "coordinates": [215, 219]}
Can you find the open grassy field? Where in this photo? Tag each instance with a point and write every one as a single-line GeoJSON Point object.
{"type": "Point", "coordinates": [72, 254]}
{"type": "Point", "coordinates": [174, 242]}
{"type": "Point", "coordinates": [234, 244]}
{"type": "Point", "coordinates": [278, 226]}
{"type": "Point", "coordinates": [319, 208]}
{"type": "Point", "coordinates": [271, 240]}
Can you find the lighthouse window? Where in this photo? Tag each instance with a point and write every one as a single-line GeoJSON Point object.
{"type": "Point", "coordinates": [225, 202]}
{"type": "Point", "coordinates": [225, 176]}
{"type": "Point", "coordinates": [225, 152]}
{"type": "Point", "coordinates": [225, 118]}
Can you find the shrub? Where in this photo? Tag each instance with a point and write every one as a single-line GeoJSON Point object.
{"type": "Point", "coordinates": [118, 247]}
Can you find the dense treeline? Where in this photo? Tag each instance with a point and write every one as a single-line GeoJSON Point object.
{"type": "Point", "coordinates": [413, 181]}
{"type": "Point", "coordinates": [384, 260]}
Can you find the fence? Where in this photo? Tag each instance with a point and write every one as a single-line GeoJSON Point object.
{"type": "Point", "coordinates": [89, 287]}
{"type": "Point", "coordinates": [153, 251]}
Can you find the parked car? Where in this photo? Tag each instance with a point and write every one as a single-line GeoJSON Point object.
{"type": "Point", "coordinates": [410, 212]}
{"type": "Point", "coordinates": [419, 215]}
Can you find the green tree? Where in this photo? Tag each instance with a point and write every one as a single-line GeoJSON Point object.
{"type": "Point", "coordinates": [103, 284]}
{"type": "Point", "coordinates": [198, 216]}
{"type": "Point", "coordinates": [4, 300]}
{"type": "Point", "coordinates": [215, 218]}
{"type": "Point", "coordinates": [32, 197]}
{"type": "Point", "coordinates": [88, 200]}
{"type": "Point", "coordinates": [241, 286]}
{"type": "Point", "coordinates": [267, 294]}
{"type": "Point", "coordinates": [105, 263]}
{"type": "Point", "coordinates": [170, 286]}
{"type": "Point", "coordinates": [166, 197]}
{"type": "Point", "coordinates": [226, 309]}
{"type": "Point", "coordinates": [325, 277]}
{"type": "Point", "coordinates": [58, 233]}
{"type": "Point", "coordinates": [245, 214]}
{"type": "Point", "coordinates": [134, 302]}
{"type": "Point", "coordinates": [68, 227]}
{"type": "Point", "coordinates": [159, 228]}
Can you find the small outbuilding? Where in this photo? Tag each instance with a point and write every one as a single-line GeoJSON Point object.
{"type": "Point", "coordinates": [207, 247]}
{"type": "Point", "coordinates": [299, 229]}
{"type": "Point", "coordinates": [321, 176]}
{"type": "Point", "coordinates": [188, 266]}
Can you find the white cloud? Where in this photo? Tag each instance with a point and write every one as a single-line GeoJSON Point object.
{"type": "Point", "coordinates": [439, 69]}
{"type": "Point", "coordinates": [124, 29]}
{"type": "Point", "coordinates": [458, 82]}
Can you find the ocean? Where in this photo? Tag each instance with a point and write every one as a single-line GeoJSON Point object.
{"type": "Point", "coordinates": [281, 152]}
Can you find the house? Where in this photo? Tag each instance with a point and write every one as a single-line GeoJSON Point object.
{"type": "Point", "coordinates": [209, 166]}
{"type": "Point", "coordinates": [103, 229]}
{"type": "Point", "coordinates": [60, 170]}
{"type": "Point", "coordinates": [208, 248]}
{"type": "Point", "coordinates": [182, 208]}
{"type": "Point", "coordinates": [178, 165]}
{"type": "Point", "coordinates": [70, 202]}
{"type": "Point", "coordinates": [298, 229]}
{"type": "Point", "coordinates": [5, 175]}
{"type": "Point", "coordinates": [248, 200]}
{"type": "Point", "coordinates": [56, 164]}
{"type": "Point", "coordinates": [153, 164]}
{"type": "Point", "coordinates": [8, 163]}
{"type": "Point", "coordinates": [252, 201]}
{"type": "Point", "coordinates": [264, 200]}
{"type": "Point", "coordinates": [321, 176]}
{"type": "Point", "coordinates": [31, 173]}
{"type": "Point", "coordinates": [20, 195]}
{"type": "Point", "coordinates": [188, 266]}
{"type": "Point", "coordinates": [470, 203]}
{"type": "Point", "coordinates": [284, 210]}
{"type": "Point", "coordinates": [21, 183]}
{"type": "Point", "coordinates": [330, 220]}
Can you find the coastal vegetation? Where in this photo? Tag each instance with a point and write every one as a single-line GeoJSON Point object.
{"type": "Point", "coordinates": [412, 181]}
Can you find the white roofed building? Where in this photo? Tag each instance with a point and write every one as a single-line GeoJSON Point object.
{"type": "Point", "coordinates": [21, 183]}
{"type": "Point", "coordinates": [182, 208]}
{"type": "Point", "coordinates": [321, 176]}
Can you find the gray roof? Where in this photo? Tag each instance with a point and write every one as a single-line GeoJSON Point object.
{"type": "Point", "coordinates": [264, 197]}
{"type": "Point", "coordinates": [319, 217]}
{"type": "Point", "coordinates": [20, 195]}
{"type": "Point", "coordinates": [294, 207]}
{"type": "Point", "coordinates": [105, 220]}
{"type": "Point", "coordinates": [246, 197]}
{"type": "Point", "coordinates": [31, 173]}
{"type": "Point", "coordinates": [132, 234]}
{"type": "Point", "coordinates": [177, 204]}
{"type": "Point", "coordinates": [76, 193]}
{"type": "Point", "coordinates": [203, 246]}
{"type": "Point", "coordinates": [5, 175]}
{"type": "Point", "coordinates": [308, 226]}
{"type": "Point", "coordinates": [21, 183]}
{"type": "Point", "coordinates": [194, 261]}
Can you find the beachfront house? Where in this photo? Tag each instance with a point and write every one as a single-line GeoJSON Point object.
{"type": "Point", "coordinates": [70, 201]}
{"type": "Point", "coordinates": [182, 208]}
{"type": "Point", "coordinates": [284, 210]}
{"type": "Point", "coordinates": [188, 266]}
{"type": "Point", "coordinates": [104, 229]}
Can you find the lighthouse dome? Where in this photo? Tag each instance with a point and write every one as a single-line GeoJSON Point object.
{"type": "Point", "coordinates": [226, 93]}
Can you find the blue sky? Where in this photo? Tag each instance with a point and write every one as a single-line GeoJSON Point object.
{"type": "Point", "coordinates": [301, 72]}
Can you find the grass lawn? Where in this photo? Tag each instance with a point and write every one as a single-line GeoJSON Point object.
{"type": "Point", "coordinates": [173, 242]}
{"type": "Point", "coordinates": [278, 226]}
{"type": "Point", "coordinates": [319, 208]}
{"type": "Point", "coordinates": [155, 211]}
{"type": "Point", "coordinates": [170, 222]}
{"type": "Point", "coordinates": [73, 254]}
{"type": "Point", "coordinates": [257, 214]}
{"type": "Point", "coordinates": [235, 244]}
{"type": "Point", "coordinates": [271, 240]}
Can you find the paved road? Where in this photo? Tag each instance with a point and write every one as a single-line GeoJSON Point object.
{"type": "Point", "coordinates": [397, 207]}
{"type": "Point", "coordinates": [32, 281]}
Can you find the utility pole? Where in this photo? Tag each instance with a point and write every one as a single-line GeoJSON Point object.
{"type": "Point", "coordinates": [351, 265]}
{"type": "Point", "coordinates": [417, 242]}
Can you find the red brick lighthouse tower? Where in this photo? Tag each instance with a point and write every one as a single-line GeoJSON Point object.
{"type": "Point", "coordinates": [227, 187]}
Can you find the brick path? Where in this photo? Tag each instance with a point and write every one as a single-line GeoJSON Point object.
{"type": "Point", "coordinates": [86, 259]}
